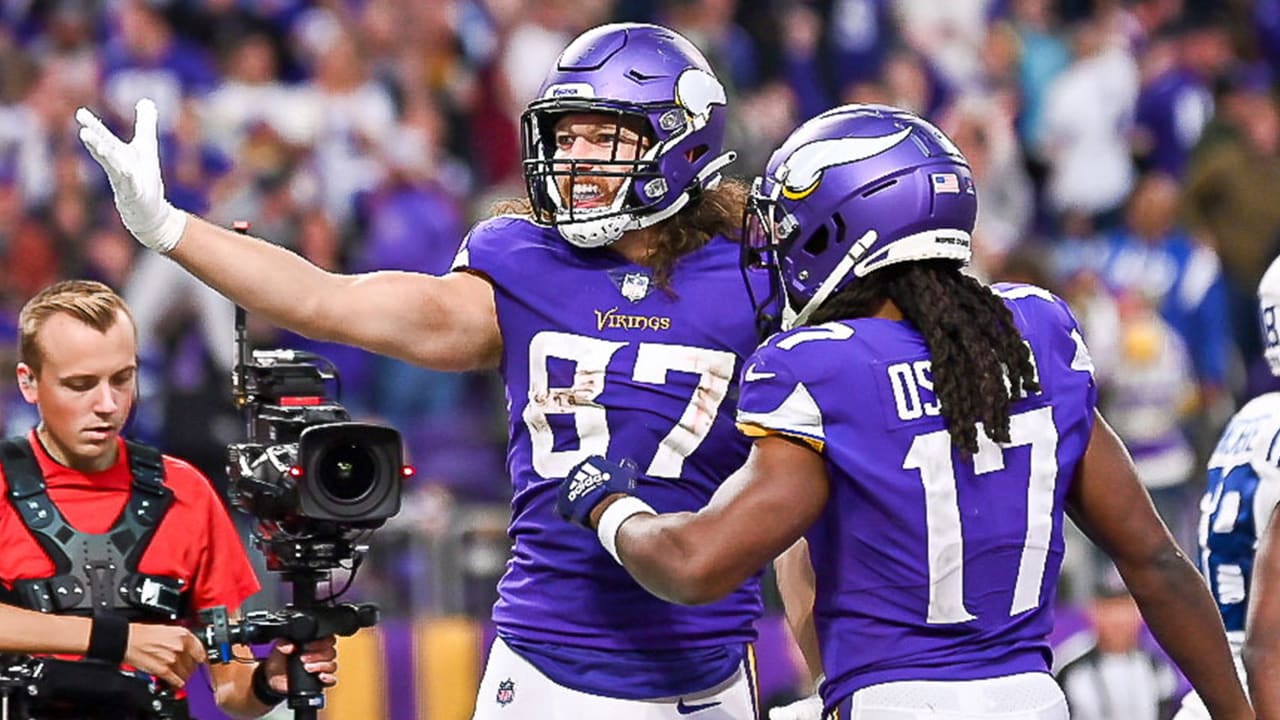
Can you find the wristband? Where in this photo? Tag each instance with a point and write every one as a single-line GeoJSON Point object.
{"type": "Point", "coordinates": [612, 518]}
{"type": "Point", "coordinates": [108, 638]}
{"type": "Point", "coordinates": [262, 690]}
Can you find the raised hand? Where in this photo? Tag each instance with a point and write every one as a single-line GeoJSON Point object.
{"type": "Point", "coordinates": [133, 170]}
{"type": "Point", "coordinates": [169, 652]}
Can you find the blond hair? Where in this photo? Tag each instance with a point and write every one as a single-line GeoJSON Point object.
{"type": "Point", "coordinates": [90, 302]}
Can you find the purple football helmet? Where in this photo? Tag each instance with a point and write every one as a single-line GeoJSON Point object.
{"type": "Point", "coordinates": [851, 191]}
{"type": "Point", "coordinates": [647, 76]}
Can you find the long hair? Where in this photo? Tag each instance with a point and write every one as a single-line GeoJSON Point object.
{"type": "Point", "coordinates": [980, 360]}
{"type": "Point", "coordinates": [714, 211]}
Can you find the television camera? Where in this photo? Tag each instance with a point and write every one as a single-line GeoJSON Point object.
{"type": "Point", "coordinates": [317, 485]}
{"type": "Point", "coordinates": [313, 479]}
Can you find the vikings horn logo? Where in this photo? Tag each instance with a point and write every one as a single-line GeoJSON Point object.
{"type": "Point", "coordinates": [696, 91]}
{"type": "Point", "coordinates": [802, 171]}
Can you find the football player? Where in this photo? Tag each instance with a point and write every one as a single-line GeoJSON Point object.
{"type": "Point", "coordinates": [926, 433]}
{"type": "Point", "coordinates": [1237, 520]}
{"type": "Point", "coordinates": [612, 303]}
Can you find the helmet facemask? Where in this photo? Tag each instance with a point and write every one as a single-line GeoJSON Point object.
{"type": "Point", "coordinates": [548, 178]}
{"type": "Point", "coordinates": [764, 235]}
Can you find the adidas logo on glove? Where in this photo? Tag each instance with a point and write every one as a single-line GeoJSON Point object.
{"type": "Point", "coordinates": [587, 478]}
{"type": "Point", "coordinates": [590, 482]}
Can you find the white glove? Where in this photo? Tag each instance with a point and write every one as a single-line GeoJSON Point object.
{"type": "Point", "coordinates": [809, 708]}
{"type": "Point", "coordinates": [134, 173]}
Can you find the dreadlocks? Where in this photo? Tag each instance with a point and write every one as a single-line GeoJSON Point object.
{"type": "Point", "coordinates": [980, 361]}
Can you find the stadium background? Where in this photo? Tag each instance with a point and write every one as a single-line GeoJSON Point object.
{"type": "Point", "coordinates": [1127, 154]}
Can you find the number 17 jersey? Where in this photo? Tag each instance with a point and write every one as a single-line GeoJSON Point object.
{"type": "Point", "coordinates": [930, 565]}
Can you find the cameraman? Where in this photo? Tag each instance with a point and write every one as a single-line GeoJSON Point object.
{"type": "Point", "coordinates": [108, 544]}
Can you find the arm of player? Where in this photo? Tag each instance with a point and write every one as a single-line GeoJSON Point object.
{"type": "Point", "coordinates": [796, 585]}
{"type": "Point", "coordinates": [695, 558]}
{"type": "Point", "coordinates": [446, 323]}
{"type": "Point", "coordinates": [1262, 627]}
{"type": "Point", "coordinates": [1112, 507]}
{"type": "Point", "coordinates": [233, 682]}
{"type": "Point", "coordinates": [169, 652]}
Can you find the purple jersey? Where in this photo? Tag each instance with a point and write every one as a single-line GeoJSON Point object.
{"type": "Point", "coordinates": [929, 566]}
{"type": "Point", "coordinates": [599, 361]}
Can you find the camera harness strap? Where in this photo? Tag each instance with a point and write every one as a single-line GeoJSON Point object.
{"type": "Point", "coordinates": [95, 572]}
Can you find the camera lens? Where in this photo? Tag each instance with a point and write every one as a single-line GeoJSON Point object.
{"type": "Point", "coordinates": [350, 473]}
{"type": "Point", "coordinates": [346, 471]}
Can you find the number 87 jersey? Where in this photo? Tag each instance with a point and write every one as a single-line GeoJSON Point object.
{"type": "Point", "coordinates": [929, 564]}
{"type": "Point", "coordinates": [597, 360]}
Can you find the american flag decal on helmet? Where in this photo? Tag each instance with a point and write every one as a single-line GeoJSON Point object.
{"type": "Point", "coordinates": [945, 183]}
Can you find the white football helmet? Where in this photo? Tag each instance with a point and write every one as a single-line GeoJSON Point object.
{"type": "Point", "coordinates": [1268, 302]}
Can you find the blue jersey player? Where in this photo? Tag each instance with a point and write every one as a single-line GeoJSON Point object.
{"type": "Point", "coordinates": [1239, 540]}
{"type": "Point", "coordinates": [926, 433]}
{"type": "Point", "coordinates": [613, 305]}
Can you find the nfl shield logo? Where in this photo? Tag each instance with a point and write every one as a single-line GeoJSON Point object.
{"type": "Point", "coordinates": [635, 286]}
{"type": "Point", "coordinates": [506, 692]}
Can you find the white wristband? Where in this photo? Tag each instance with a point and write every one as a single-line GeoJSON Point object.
{"type": "Point", "coordinates": [612, 518]}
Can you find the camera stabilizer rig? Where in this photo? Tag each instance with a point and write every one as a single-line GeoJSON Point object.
{"type": "Point", "coordinates": [45, 687]}
{"type": "Point", "coordinates": [317, 484]}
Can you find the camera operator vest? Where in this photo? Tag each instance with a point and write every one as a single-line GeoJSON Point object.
{"type": "Point", "coordinates": [95, 572]}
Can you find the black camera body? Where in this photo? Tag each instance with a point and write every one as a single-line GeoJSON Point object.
{"type": "Point", "coordinates": [311, 476]}
{"type": "Point", "coordinates": [337, 472]}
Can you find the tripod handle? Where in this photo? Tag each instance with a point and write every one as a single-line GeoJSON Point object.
{"type": "Point", "coordinates": [305, 689]}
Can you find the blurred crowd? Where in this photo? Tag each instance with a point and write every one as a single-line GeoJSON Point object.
{"type": "Point", "coordinates": [1126, 153]}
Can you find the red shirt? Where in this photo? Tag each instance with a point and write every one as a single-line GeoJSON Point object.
{"type": "Point", "coordinates": [195, 542]}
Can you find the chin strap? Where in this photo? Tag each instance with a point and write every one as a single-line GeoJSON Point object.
{"type": "Point", "coordinates": [595, 233]}
{"type": "Point", "coordinates": [709, 177]}
{"type": "Point", "coordinates": [704, 178]}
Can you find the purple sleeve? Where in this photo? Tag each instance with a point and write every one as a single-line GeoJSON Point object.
{"type": "Point", "coordinates": [486, 247]}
